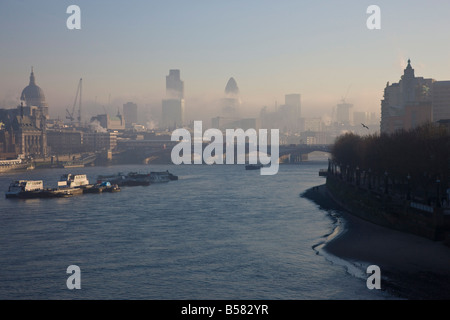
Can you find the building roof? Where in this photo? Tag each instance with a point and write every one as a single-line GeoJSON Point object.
{"type": "Point", "coordinates": [33, 94]}
{"type": "Point", "coordinates": [231, 87]}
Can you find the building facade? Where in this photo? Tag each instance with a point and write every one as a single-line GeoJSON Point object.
{"type": "Point", "coordinates": [25, 127]}
{"type": "Point", "coordinates": [99, 141]}
{"type": "Point", "coordinates": [408, 103]}
{"type": "Point", "coordinates": [65, 141]}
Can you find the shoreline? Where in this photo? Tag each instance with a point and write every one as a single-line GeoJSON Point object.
{"type": "Point", "coordinates": [412, 267]}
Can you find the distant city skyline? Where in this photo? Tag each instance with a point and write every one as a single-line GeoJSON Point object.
{"type": "Point", "coordinates": [123, 51]}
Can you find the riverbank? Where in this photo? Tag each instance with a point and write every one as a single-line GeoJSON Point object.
{"type": "Point", "coordinates": [412, 267]}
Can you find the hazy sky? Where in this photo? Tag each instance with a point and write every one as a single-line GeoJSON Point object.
{"type": "Point", "coordinates": [125, 49]}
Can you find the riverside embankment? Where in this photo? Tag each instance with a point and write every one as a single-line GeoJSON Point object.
{"type": "Point", "coordinates": [412, 266]}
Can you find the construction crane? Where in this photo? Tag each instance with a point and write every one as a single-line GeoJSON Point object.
{"type": "Point", "coordinates": [70, 115]}
{"type": "Point", "coordinates": [346, 94]}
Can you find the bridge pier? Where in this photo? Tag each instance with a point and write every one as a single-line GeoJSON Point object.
{"type": "Point", "coordinates": [298, 158]}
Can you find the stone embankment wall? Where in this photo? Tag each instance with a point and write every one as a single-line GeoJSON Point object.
{"type": "Point", "coordinates": [381, 209]}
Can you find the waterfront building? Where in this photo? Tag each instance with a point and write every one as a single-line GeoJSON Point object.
{"type": "Point", "coordinates": [24, 128]}
{"type": "Point", "coordinates": [63, 141]}
{"type": "Point", "coordinates": [7, 143]}
{"type": "Point", "coordinates": [29, 139]}
{"type": "Point", "coordinates": [99, 141]}
{"type": "Point", "coordinates": [410, 102]}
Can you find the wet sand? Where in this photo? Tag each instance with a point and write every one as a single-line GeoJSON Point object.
{"type": "Point", "coordinates": [412, 267]}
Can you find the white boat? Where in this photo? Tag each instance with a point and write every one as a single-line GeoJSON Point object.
{"type": "Point", "coordinates": [25, 189]}
{"type": "Point", "coordinates": [73, 180]}
{"type": "Point", "coordinates": [73, 183]}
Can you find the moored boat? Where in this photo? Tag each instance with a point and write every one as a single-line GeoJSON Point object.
{"type": "Point", "coordinates": [131, 179]}
{"type": "Point", "coordinates": [253, 166]}
{"type": "Point", "coordinates": [56, 193]}
{"type": "Point", "coordinates": [159, 177]}
{"type": "Point", "coordinates": [172, 176]}
{"type": "Point", "coordinates": [108, 187]}
{"type": "Point", "coordinates": [73, 180]}
{"type": "Point", "coordinates": [29, 189]}
{"type": "Point", "coordinates": [93, 188]}
{"type": "Point", "coordinates": [137, 179]}
{"type": "Point", "coordinates": [25, 189]}
{"type": "Point", "coordinates": [74, 183]}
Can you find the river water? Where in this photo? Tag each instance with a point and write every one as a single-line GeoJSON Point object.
{"type": "Point", "coordinates": [219, 232]}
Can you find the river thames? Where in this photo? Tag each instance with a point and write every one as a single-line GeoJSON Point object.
{"type": "Point", "coordinates": [219, 232]}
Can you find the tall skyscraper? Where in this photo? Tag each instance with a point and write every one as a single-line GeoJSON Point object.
{"type": "Point", "coordinates": [292, 112]}
{"type": "Point", "coordinates": [130, 114]}
{"type": "Point", "coordinates": [293, 101]}
{"type": "Point", "coordinates": [174, 85]}
{"type": "Point", "coordinates": [172, 115]}
{"type": "Point", "coordinates": [231, 103]}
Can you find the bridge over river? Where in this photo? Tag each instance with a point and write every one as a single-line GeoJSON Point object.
{"type": "Point", "coordinates": [159, 151]}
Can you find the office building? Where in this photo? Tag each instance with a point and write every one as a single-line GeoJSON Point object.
{"type": "Point", "coordinates": [172, 112]}
{"type": "Point", "coordinates": [174, 85]}
{"type": "Point", "coordinates": [130, 113]}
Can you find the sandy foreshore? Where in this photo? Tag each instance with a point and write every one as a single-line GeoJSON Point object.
{"type": "Point", "coordinates": [412, 267]}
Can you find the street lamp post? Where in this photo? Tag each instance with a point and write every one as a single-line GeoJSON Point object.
{"type": "Point", "coordinates": [408, 195]}
{"type": "Point", "coordinates": [386, 182]}
{"type": "Point", "coordinates": [438, 182]}
{"type": "Point", "coordinates": [357, 176]}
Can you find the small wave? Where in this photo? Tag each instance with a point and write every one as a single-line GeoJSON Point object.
{"type": "Point", "coordinates": [354, 268]}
